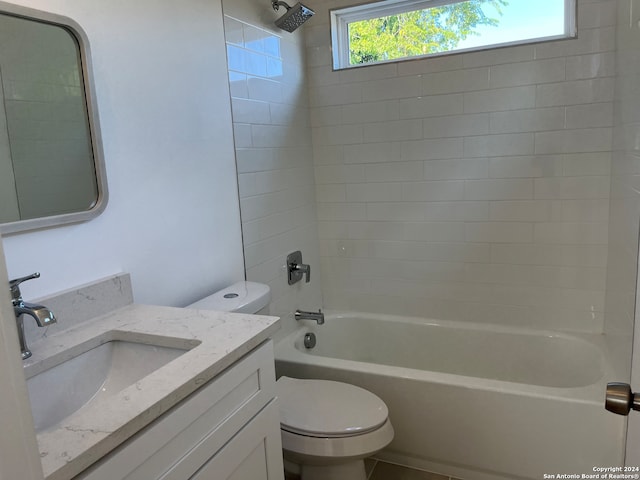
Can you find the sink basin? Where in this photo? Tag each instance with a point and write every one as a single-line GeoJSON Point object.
{"type": "Point", "coordinates": [99, 370]}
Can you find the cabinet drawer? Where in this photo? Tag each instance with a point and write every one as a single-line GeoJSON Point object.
{"type": "Point", "coordinates": [197, 427]}
{"type": "Point", "coordinates": [254, 453]}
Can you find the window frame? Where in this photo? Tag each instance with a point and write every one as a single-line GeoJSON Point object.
{"type": "Point", "coordinates": [342, 17]}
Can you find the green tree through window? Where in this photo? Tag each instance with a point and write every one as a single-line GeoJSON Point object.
{"type": "Point", "coordinates": [432, 30]}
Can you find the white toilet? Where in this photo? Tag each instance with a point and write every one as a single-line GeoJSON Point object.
{"type": "Point", "coordinates": [328, 428]}
{"type": "Point", "coordinates": [241, 297]}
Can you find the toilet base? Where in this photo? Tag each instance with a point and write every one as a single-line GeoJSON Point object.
{"type": "Point", "coordinates": [353, 470]}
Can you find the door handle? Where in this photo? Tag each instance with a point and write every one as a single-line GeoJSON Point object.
{"type": "Point", "coordinates": [620, 399]}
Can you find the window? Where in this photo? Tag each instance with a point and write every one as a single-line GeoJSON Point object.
{"type": "Point", "coordinates": [400, 29]}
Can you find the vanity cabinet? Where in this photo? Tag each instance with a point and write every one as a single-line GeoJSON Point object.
{"type": "Point", "coordinates": [228, 429]}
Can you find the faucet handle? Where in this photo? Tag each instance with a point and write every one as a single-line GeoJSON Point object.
{"type": "Point", "coordinates": [14, 285]}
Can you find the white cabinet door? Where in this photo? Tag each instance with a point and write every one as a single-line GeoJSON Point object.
{"type": "Point", "coordinates": [255, 453]}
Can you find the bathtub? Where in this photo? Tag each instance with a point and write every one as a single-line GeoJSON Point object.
{"type": "Point", "coordinates": [473, 402]}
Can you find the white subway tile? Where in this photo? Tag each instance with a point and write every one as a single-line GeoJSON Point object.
{"type": "Point", "coordinates": [591, 115]}
{"type": "Point", "coordinates": [499, 232]}
{"type": "Point", "coordinates": [319, 56]}
{"type": "Point", "coordinates": [575, 92]}
{"type": "Point", "coordinates": [559, 255]}
{"type": "Point", "coordinates": [591, 66]}
{"type": "Point", "coordinates": [513, 98]}
{"type": "Point", "coordinates": [255, 159]}
{"type": "Point", "coordinates": [590, 40]}
{"type": "Point", "coordinates": [455, 81]}
{"type": "Point", "coordinates": [328, 154]}
{"type": "Point", "coordinates": [430, 65]}
{"type": "Point", "coordinates": [456, 126]}
{"type": "Point", "coordinates": [394, 172]}
{"type": "Point", "coordinates": [326, 116]}
{"type": "Point", "coordinates": [325, 95]}
{"type": "Point", "coordinates": [374, 192]}
{"type": "Point", "coordinates": [341, 211]}
{"type": "Point", "coordinates": [250, 111]}
{"type": "Point", "coordinates": [454, 169]}
{"type": "Point", "coordinates": [535, 120]}
{"type": "Point", "coordinates": [566, 188]}
{"type": "Point", "coordinates": [580, 164]}
{"type": "Point", "coordinates": [432, 149]}
{"type": "Point", "coordinates": [373, 72]}
{"type": "Point", "coordinates": [337, 135]}
{"type": "Point", "coordinates": [499, 145]}
{"type": "Point", "coordinates": [431, 106]}
{"type": "Point", "coordinates": [233, 31]}
{"type": "Point", "coordinates": [571, 233]}
{"type": "Point", "coordinates": [446, 252]}
{"type": "Point", "coordinates": [370, 112]}
{"type": "Point", "coordinates": [498, 56]}
{"type": "Point", "coordinates": [331, 193]}
{"type": "Point", "coordinates": [599, 14]}
{"type": "Point", "coordinates": [372, 152]}
{"type": "Point", "coordinates": [581, 211]}
{"type": "Point", "coordinates": [525, 166]}
{"type": "Point", "coordinates": [392, 131]}
{"type": "Point", "coordinates": [436, 191]}
{"type": "Point", "coordinates": [242, 135]}
{"type": "Point", "coordinates": [527, 73]}
{"type": "Point", "coordinates": [396, 211]}
{"type": "Point", "coordinates": [523, 211]}
{"type": "Point", "coordinates": [499, 189]}
{"type": "Point", "coordinates": [458, 211]}
{"type": "Point", "coordinates": [574, 141]}
{"type": "Point", "coordinates": [339, 174]}
{"type": "Point", "coordinates": [376, 230]}
{"type": "Point", "coordinates": [386, 89]}
{"type": "Point", "coordinates": [265, 90]}
{"type": "Point", "coordinates": [435, 232]}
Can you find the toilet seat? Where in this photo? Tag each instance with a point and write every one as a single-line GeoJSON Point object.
{"type": "Point", "coordinates": [327, 409]}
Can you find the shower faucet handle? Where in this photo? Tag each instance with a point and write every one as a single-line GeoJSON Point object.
{"type": "Point", "coordinates": [296, 269]}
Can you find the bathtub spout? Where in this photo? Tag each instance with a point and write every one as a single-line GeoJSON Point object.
{"type": "Point", "coordinates": [316, 316]}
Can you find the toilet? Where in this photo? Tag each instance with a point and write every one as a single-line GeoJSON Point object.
{"type": "Point", "coordinates": [328, 428]}
{"type": "Point", "coordinates": [241, 297]}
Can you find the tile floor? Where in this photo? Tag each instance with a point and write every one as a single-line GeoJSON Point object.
{"type": "Point", "coordinates": [377, 470]}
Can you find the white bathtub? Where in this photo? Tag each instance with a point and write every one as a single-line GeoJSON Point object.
{"type": "Point", "coordinates": [473, 402]}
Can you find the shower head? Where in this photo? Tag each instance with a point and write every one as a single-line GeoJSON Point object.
{"type": "Point", "coordinates": [295, 16]}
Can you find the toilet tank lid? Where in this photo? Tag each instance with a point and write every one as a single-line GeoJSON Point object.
{"type": "Point", "coordinates": [241, 297]}
{"type": "Point", "coordinates": [324, 408]}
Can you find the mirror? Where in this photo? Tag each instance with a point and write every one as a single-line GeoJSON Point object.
{"type": "Point", "coordinates": [51, 168]}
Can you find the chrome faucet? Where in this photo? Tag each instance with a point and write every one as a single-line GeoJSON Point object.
{"type": "Point", "coordinates": [41, 314]}
{"type": "Point", "coordinates": [315, 316]}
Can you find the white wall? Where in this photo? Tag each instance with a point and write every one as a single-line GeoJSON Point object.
{"type": "Point", "coordinates": [173, 216]}
{"type": "Point", "coordinates": [273, 148]}
{"type": "Point", "coordinates": [470, 187]}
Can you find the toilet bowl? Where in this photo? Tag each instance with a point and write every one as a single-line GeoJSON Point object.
{"type": "Point", "coordinates": [328, 428]}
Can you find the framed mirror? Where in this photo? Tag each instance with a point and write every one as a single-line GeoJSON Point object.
{"type": "Point", "coordinates": [51, 161]}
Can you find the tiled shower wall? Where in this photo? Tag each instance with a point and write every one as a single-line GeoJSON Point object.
{"type": "Point", "coordinates": [470, 187]}
{"type": "Point", "coordinates": [273, 150]}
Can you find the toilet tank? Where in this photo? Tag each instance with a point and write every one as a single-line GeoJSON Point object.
{"type": "Point", "coordinates": [241, 297]}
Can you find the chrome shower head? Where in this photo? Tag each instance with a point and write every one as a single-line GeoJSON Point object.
{"type": "Point", "coordinates": [295, 16]}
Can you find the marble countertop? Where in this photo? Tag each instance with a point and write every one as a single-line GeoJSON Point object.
{"type": "Point", "coordinates": [216, 339]}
